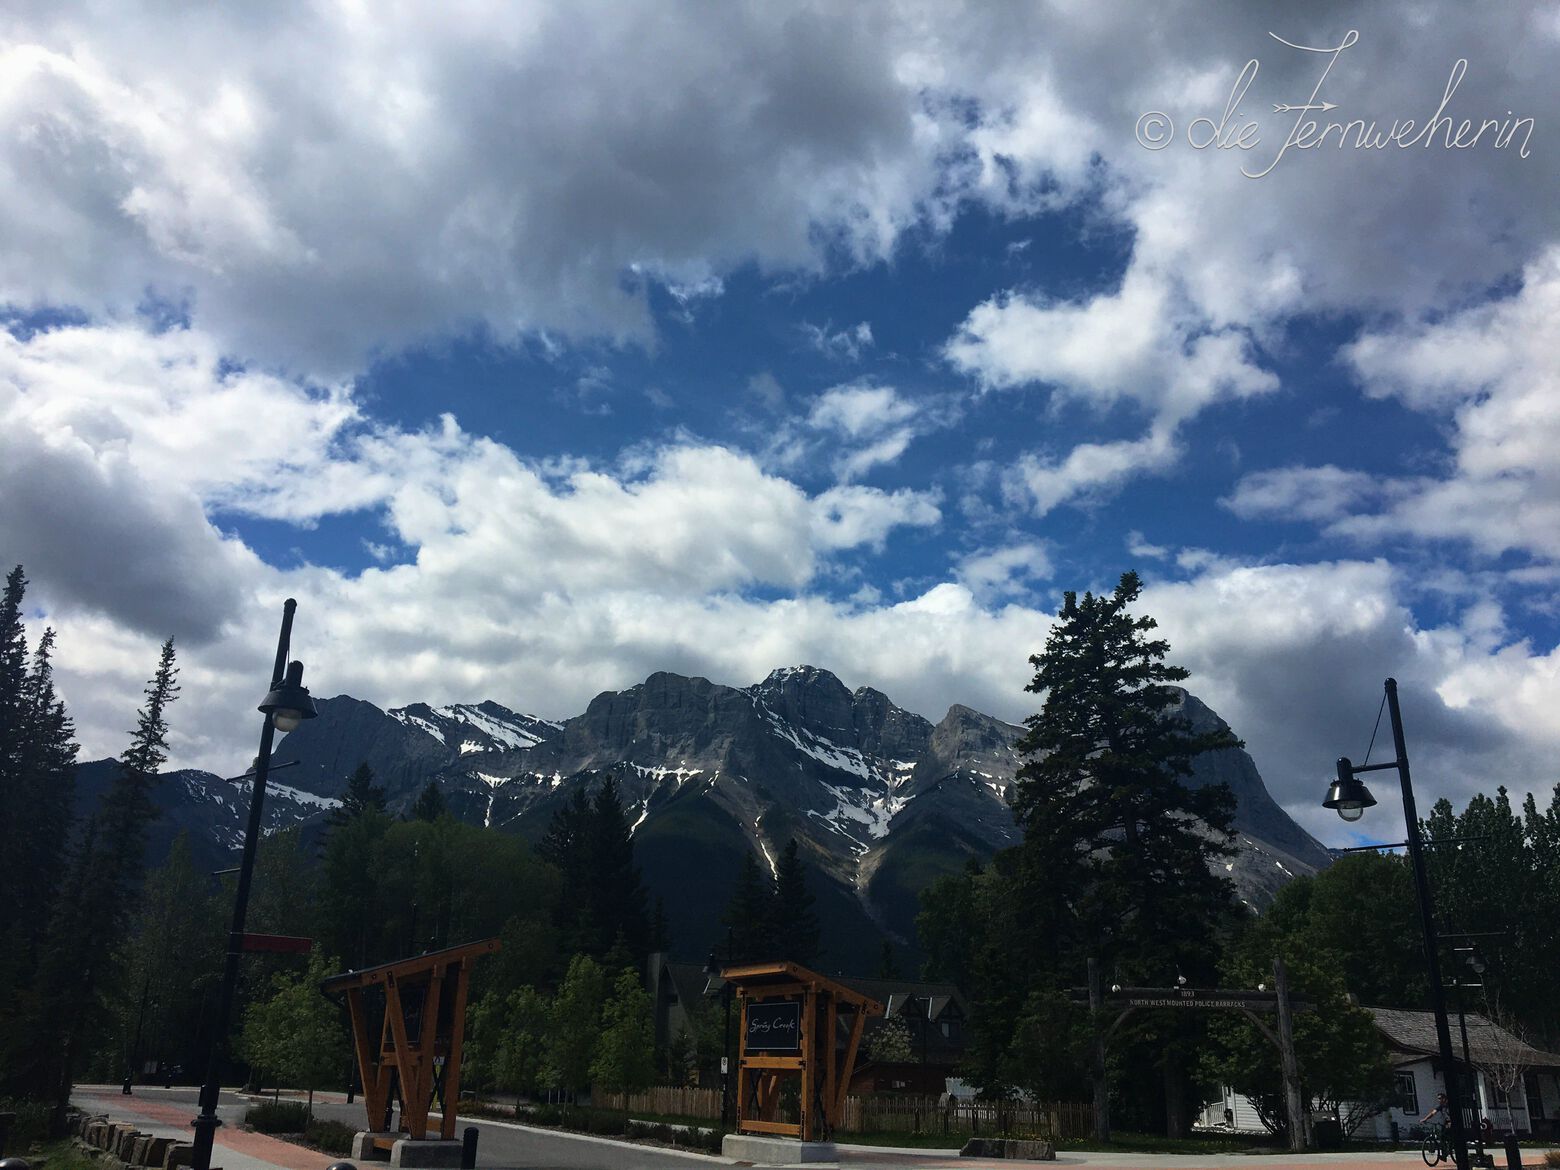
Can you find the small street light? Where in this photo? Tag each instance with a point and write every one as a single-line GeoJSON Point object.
{"type": "Point", "coordinates": [1350, 798]}
{"type": "Point", "coordinates": [285, 706]}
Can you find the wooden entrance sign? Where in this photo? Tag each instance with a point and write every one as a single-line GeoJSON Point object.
{"type": "Point", "coordinates": [791, 1022]}
{"type": "Point", "coordinates": [419, 1038]}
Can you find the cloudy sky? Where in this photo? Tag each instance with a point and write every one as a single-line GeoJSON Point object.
{"type": "Point", "coordinates": [536, 347]}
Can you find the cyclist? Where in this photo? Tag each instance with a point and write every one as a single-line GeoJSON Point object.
{"type": "Point", "coordinates": [1437, 1143]}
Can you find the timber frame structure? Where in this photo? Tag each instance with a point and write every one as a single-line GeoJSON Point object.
{"type": "Point", "coordinates": [788, 996]}
{"type": "Point", "coordinates": [419, 1039]}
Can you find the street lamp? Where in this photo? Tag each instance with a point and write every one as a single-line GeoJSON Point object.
{"type": "Point", "coordinates": [285, 706]}
{"type": "Point", "coordinates": [1349, 796]}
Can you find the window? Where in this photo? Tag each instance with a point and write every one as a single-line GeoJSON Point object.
{"type": "Point", "coordinates": [1535, 1097]}
{"type": "Point", "coordinates": [1407, 1093]}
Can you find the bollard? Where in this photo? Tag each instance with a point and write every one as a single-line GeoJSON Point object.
{"type": "Point", "coordinates": [468, 1148]}
{"type": "Point", "coordinates": [15, 1164]}
{"type": "Point", "coordinates": [341, 1166]}
{"type": "Point", "coordinates": [1396, 1136]}
{"type": "Point", "coordinates": [1513, 1153]}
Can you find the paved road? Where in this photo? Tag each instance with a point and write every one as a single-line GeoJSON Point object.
{"type": "Point", "coordinates": [509, 1145]}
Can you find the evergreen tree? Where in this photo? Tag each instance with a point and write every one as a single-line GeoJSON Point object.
{"type": "Point", "coordinates": [748, 915]}
{"type": "Point", "coordinates": [796, 930]}
{"type": "Point", "coordinates": [172, 961]}
{"type": "Point", "coordinates": [361, 794]}
{"type": "Point", "coordinates": [430, 804]}
{"type": "Point", "coordinates": [1102, 794]}
{"type": "Point", "coordinates": [590, 842]}
{"type": "Point", "coordinates": [76, 968]}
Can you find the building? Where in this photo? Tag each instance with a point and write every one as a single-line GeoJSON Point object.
{"type": "Point", "coordinates": [1532, 1107]}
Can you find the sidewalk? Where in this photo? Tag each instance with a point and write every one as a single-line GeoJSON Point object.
{"type": "Point", "coordinates": [233, 1149]}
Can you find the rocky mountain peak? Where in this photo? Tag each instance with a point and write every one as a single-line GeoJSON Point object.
{"type": "Point", "coordinates": [811, 699]}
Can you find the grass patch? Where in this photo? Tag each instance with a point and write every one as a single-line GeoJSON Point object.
{"type": "Point", "coordinates": [331, 1136]}
{"type": "Point", "coordinates": [59, 1155]}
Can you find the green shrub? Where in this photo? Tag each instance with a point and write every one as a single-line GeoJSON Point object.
{"type": "Point", "coordinates": [331, 1136]}
{"type": "Point", "coordinates": [278, 1117]}
{"type": "Point", "coordinates": [31, 1124]}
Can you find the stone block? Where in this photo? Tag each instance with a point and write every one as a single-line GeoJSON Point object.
{"type": "Point", "coordinates": [157, 1151]}
{"type": "Point", "coordinates": [93, 1134]}
{"type": "Point", "coordinates": [775, 1151]}
{"type": "Point", "coordinates": [126, 1143]}
{"type": "Point", "coordinates": [429, 1154]}
{"type": "Point", "coordinates": [138, 1149]}
{"type": "Point", "coordinates": [179, 1154]}
{"type": "Point", "coordinates": [1015, 1148]}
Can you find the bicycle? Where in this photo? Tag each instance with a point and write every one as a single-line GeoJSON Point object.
{"type": "Point", "coordinates": [1435, 1148]}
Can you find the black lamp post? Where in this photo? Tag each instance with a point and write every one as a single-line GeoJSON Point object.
{"type": "Point", "coordinates": [1350, 798]}
{"type": "Point", "coordinates": [285, 706]}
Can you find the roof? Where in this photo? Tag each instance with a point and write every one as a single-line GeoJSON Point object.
{"type": "Point", "coordinates": [409, 969]}
{"type": "Point", "coordinates": [896, 994]}
{"type": "Point", "coordinates": [1413, 1033]}
{"type": "Point", "coordinates": [779, 978]}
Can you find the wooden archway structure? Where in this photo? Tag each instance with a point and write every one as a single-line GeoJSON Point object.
{"type": "Point", "coordinates": [420, 1036]}
{"type": "Point", "coordinates": [791, 1020]}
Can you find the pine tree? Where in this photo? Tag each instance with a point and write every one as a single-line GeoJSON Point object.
{"type": "Point", "coordinates": [796, 931]}
{"type": "Point", "coordinates": [430, 804]}
{"type": "Point", "coordinates": [617, 891]}
{"type": "Point", "coordinates": [748, 915]}
{"type": "Point", "coordinates": [88, 928]}
{"type": "Point", "coordinates": [361, 793]}
{"type": "Point", "coordinates": [1102, 795]}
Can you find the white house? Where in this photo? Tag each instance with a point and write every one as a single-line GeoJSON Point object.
{"type": "Point", "coordinates": [1533, 1108]}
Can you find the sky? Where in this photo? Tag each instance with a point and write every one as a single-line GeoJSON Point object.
{"type": "Point", "coordinates": [536, 347]}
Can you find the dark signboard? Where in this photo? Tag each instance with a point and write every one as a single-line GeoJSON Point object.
{"type": "Point", "coordinates": [774, 1027]}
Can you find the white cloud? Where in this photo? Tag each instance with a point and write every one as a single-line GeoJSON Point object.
{"type": "Point", "coordinates": [1011, 570]}
{"type": "Point", "coordinates": [1088, 469]}
{"type": "Point", "coordinates": [1302, 493]}
{"type": "Point", "coordinates": [851, 515]}
{"type": "Point", "coordinates": [870, 424]}
{"type": "Point", "coordinates": [846, 344]}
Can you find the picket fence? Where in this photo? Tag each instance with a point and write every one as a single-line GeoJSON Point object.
{"type": "Point", "coordinates": [888, 1113]}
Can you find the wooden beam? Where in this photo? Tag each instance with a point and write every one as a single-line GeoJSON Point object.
{"type": "Point", "coordinates": [407, 970]}
{"type": "Point", "coordinates": [452, 1061]}
{"type": "Point", "coordinates": [808, 1116]}
{"type": "Point", "coordinates": [849, 1065]}
{"type": "Point", "coordinates": [830, 1072]}
{"type": "Point", "coordinates": [785, 1127]}
{"type": "Point", "coordinates": [405, 1062]}
{"type": "Point", "coordinates": [368, 1068]}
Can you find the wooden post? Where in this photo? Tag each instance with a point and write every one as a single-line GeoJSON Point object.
{"type": "Point", "coordinates": [1101, 1085]}
{"type": "Point", "coordinates": [1289, 1061]}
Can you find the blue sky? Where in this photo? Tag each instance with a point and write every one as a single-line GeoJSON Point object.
{"type": "Point", "coordinates": [534, 348]}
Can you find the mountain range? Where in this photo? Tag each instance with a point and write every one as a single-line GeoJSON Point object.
{"type": "Point", "coordinates": [880, 800]}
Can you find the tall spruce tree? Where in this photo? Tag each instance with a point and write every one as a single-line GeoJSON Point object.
{"type": "Point", "coordinates": [1103, 795]}
{"type": "Point", "coordinates": [797, 934]}
{"type": "Point", "coordinates": [590, 842]}
{"type": "Point", "coordinates": [86, 933]}
{"type": "Point", "coordinates": [749, 915]}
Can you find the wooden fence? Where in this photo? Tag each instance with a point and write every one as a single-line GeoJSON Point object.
{"type": "Point", "coordinates": [885, 1113]}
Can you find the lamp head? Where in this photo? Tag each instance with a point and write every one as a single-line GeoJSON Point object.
{"type": "Point", "coordinates": [1348, 794]}
{"type": "Point", "coordinates": [288, 703]}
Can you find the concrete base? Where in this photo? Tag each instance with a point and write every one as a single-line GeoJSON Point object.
{"type": "Point", "coordinates": [776, 1151]}
{"type": "Point", "coordinates": [432, 1154]}
{"type": "Point", "coordinates": [374, 1145]}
